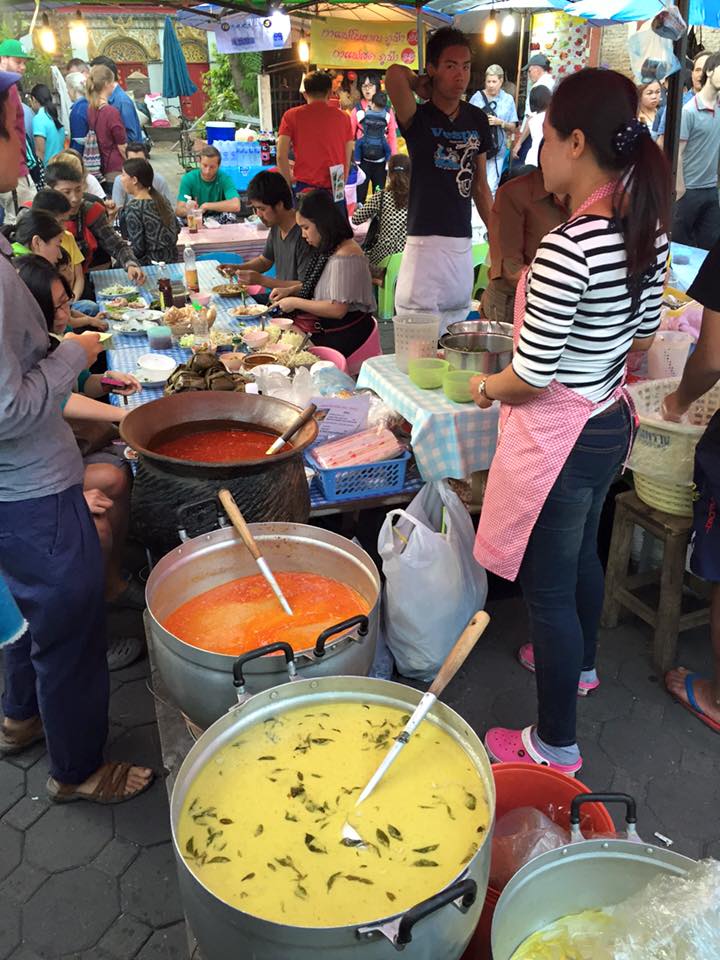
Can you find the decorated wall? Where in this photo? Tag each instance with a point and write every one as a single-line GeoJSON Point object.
{"type": "Point", "coordinates": [564, 40]}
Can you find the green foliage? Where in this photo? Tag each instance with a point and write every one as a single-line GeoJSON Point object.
{"type": "Point", "coordinates": [231, 85]}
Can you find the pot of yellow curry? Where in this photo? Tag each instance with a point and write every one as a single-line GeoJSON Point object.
{"type": "Point", "coordinates": [258, 810]}
{"type": "Point", "coordinates": [209, 607]}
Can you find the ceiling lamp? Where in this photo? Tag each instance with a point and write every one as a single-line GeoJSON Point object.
{"type": "Point", "coordinates": [46, 36]}
{"type": "Point", "coordinates": [490, 30]}
{"type": "Point", "coordinates": [78, 32]}
{"type": "Point", "coordinates": [507, 27]}
{"type": "Point", "coordinates": [303, 49]}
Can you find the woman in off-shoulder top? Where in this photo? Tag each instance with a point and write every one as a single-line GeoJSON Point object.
{"type": "Point", "coordinates": [336, 301]}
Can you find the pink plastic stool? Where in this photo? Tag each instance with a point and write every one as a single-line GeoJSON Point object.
{"type": "Point", "coordinates": [334, 356]}
{"type": "Point", "coordinates": [371, 348]}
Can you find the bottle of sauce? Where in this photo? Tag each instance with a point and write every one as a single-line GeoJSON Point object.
{"type": "Point", "coordinates": [191, 272]}
{"type": "Point", "coordinates": [165, 293]}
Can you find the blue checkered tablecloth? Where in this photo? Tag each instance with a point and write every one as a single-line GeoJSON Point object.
{"type": "Point", "coordinates": [683, 274]}
{"type": "Point", "coordinates": [449, 439]}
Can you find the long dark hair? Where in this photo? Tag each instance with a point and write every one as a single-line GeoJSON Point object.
{"type": "Point", "coordinates": [398, 182]}
{"type": "Point", "coordinates": [38, 275]}
{"type": "Point", "coordinates": [334, 228]}
{"type": "Point", "coordinates": [43, 96]}
{"type": "Point", "coordinates": [33, 223]}
{"type": "Point", "coordinates": [603, 104]}
{"type": "Point", "coordinates": [143, 172]}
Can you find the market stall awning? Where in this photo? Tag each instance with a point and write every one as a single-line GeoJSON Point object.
{"type": "Point", "coordinates": [701, 12]}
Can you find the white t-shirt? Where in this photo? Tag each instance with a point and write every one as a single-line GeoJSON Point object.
{"type": "Point", "coordinates": [535, 126]}
{"type": "Point", "coordinates": [93, 186]}
{"type": "Point", "coordinates": [544, 80]}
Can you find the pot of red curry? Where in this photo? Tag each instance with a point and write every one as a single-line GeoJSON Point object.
{"type": "Point", "coordinates": [191, 444]}
{"type": "Point", "coordinates": [209, 608]}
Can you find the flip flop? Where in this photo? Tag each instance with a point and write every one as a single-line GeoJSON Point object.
{"type": "Point", "coordinates": [526, 658]}
{"type": "Point", "coordinates": [516, 746]}
{"type": "Point", "coordinates": [692, 706]}
{"type": "Point", "coordinates": [109, 789]}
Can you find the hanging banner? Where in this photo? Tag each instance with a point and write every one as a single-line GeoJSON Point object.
{"type": "Point", "coordinates": [253, 34]}
{"type": "Point", "coordinates": [351, 44]}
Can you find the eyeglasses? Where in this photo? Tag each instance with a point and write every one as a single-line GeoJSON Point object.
{"type": "Point", "coordinates": [62, 305]}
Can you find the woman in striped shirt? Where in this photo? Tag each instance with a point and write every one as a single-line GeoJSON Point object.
{"type": "Point", "coordinates": [591, 295]}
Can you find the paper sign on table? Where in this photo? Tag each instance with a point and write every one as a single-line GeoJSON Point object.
{"type": "Point", "coordinates": [338, 417]}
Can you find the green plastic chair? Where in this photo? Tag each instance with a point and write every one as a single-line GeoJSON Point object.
{"type": "Point", "coordinates": [386, 293]}
{"type": "Point", "coordinates": [480, 268]}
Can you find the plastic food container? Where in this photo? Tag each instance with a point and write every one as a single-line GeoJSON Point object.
{"type": "Point", "coordinates": [156, 364]}
{"type": "Point", "coordinates": [416, 335]}
{"type": "Point", "coordinates": [160, 337]}
{"type": "Point", "coordinates": [428, 372]}
{"type": "Point", "coordinates": [456, 385]}
{"type": "Point", "coordinates": [256, 339]}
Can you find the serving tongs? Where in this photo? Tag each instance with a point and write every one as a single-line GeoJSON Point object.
{"type": "Point", "coordinates": [452, 663]}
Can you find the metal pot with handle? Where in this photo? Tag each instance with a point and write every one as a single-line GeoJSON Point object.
{"type": "Point", "coordinates": [584, 875]}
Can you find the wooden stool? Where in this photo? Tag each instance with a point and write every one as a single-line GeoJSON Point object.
{"type": "Point", "coordinates": [667, 620]}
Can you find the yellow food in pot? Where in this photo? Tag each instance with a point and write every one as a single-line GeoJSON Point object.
{"type": "Point", "coordinates": [261, 826]}
{"type": "Point", "coordinates": [575, 937]}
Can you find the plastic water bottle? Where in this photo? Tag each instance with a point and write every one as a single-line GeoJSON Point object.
{"type": "Point", "coordinates": [201, 339]}
{"type": "Point", "coordinates": [191, 272]}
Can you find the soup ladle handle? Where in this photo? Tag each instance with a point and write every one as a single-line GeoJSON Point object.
{"type": "Point", "coordinates": [239, 522]}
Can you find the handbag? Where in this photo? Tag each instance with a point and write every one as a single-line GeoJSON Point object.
{"type": "Point", "coordinates": [373, 233]}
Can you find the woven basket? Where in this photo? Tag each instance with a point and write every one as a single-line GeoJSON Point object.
{"type": "Point", "coordinates": [663, 455]}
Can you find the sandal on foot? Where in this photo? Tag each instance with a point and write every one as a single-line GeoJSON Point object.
{"type": "Point", "coordinates": [692, 706]}
{"type": "Point", "coordinates": [526, 658]}
{"type": "Point", "coordinates": [16, 741]}
{"type": "Point", "coordinates": [110, 787]}
{"type": "Point", "coordinates": [123, 651]}
{"type": "Point", "coordinates": [515, 746]}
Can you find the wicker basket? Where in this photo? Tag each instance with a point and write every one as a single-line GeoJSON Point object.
{"type": "Point", "coordinates": [663, 455]}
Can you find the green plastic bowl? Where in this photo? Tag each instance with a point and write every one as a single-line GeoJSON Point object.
{"type": "Point", "coordinates": [456, 384]}
{"type": "Point", "coordinates": [427, 372]}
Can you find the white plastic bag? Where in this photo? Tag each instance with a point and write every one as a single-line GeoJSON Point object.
{"type": "Point", "coordinates": [433, 584]}
{"type": "Point", "coordinates": [651, 56]}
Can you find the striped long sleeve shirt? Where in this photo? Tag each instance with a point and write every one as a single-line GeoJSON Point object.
{"type": "Point", "coordinates": [580, 319]}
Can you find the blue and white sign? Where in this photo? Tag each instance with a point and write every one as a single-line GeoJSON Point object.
{"type": "Point", "coordinates": [253, 34]}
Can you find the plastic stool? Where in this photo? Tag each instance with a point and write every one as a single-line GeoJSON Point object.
{"type": "Point", "coordinates": [667, 618]}
{"type": "Point", "coordinates": [371, 348]}
{"type": "Point", "coordinates": [386, 293]}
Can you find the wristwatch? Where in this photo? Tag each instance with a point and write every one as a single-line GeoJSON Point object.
{"type": "Point", "coordinates": [481, 389]}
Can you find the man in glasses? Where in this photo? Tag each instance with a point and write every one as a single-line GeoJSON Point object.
{"type": "Point", "coordinates": [502, 116]}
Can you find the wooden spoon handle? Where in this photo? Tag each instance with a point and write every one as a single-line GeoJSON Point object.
{"type": "Point", "coordinates": [307, 414]}
{"type": "Point", "coordinates": [238, 521]}
{"type": "Point", "coordinates": [459, 653]}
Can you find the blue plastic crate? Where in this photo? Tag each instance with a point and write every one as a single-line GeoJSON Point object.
{"type": "Point", "coordinates": [365, 480]}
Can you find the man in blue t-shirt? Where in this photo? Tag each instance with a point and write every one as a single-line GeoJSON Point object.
{"type": "Point", "coordinates": [448, 140]}
{"type": "Point", "coordinates": [124, 104]}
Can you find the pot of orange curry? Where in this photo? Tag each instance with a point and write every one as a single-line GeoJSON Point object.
{"type": "Point", "coordinates": [258, 810]}
{"type": "Point", "coordinates": [209, 607]}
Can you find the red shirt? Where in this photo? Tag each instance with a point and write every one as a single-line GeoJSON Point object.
{"type": "Point", "coordinates": [319, 133]}
{"type": "Point", "coordinates": [110, 132]}
{"type": "Point", "coordinates": [20, 127]}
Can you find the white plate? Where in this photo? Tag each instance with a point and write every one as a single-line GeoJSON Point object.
{"type": "Point", "coordinates": [126, 329]}
{"type": "Point", "coordinates": [144, 316]}
{"type": "Point", "coordinates": [150, 379]}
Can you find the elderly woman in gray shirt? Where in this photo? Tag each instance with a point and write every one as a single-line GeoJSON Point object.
{"type": "Point", "coordinates": [56, 674]}
{"type": "Point", "coordinates": [337, 297]}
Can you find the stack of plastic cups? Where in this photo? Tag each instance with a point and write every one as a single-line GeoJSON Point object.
{"type": "Point", "coordinates": [416, 335]}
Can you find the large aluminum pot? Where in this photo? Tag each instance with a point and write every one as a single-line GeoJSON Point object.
{"type": "Point", "coordinates": [582, 876]}
{"type": "Point", "coordinates": [436, 929]}
{"type": "Point", "coordinates": [485, 353]}
{"type": "Point", "coordinates": [481, 326]}
{"type": "Point", "coordinates": [200, 682]}
{"type": "Point", "coordinates": [273, 488]}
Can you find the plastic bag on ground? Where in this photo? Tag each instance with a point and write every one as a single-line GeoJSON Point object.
{"type": "Point", "coordinates": [433, 584]}
{"type": "Point", "coordinates": [520, 836]}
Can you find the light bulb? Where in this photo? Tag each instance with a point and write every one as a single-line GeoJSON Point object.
{"type": "Point", "coordinates": [48, 41]}
{"type": "Point", "coordinates": [507, 27]}
{"type": "Point", "coordinates": [490, 32]}
{"type": "Point", "coordinates": [78, 31]}
{"type": "Point", "coordinates": [303, 50]}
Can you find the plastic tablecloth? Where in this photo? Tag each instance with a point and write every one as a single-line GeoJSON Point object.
{"type": "Point", "coordinates": [449, 439]}
{"type": "Point", "coordinates": [683, 274]}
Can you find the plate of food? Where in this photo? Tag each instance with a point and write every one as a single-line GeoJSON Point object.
{"type": "Point", "coordinates": [118, 290]}
{"type": "Point", "coordinates": [131, 327]}
{"type": "Point", "coordinates": [143, 314]}
{"type": "Point", "coordinates": [125, 303]}
{"type": "Point", "coordinates": [248, 310]}
{"type": "Point", "coordinates": [230, 289]}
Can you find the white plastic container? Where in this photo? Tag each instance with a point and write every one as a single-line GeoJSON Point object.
{"type": "Point", "coordinates": [668, 354]}
{"type": "Point", "coordinates": [416, 335]}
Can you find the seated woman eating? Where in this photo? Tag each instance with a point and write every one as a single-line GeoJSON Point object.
{"type": "Point", "coordinates": [106, 477]}
{"type": "Point", "coordinates": [152, 227]}
{"type": "Point", "coordinates": [335, 303]}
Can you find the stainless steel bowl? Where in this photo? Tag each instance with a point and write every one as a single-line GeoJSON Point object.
{"type": "Point", "coordinates": [481, 326]}
{"type": "Point", "coordinates": [485, 353]}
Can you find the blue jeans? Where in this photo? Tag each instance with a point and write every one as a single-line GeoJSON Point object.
{"type": "Point", "coordinates": [561, 575]}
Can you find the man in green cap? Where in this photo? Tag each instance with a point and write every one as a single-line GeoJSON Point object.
{"type": "Point", "coordinates": [13, 59]}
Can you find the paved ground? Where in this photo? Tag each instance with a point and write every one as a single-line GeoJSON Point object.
{"type": "Point", "coordinates": [99, 882]}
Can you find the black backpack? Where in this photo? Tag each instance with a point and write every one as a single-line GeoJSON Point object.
{"type": "Point", "coordinates": [374, 127]}
{"type": "Point", "coordinates": [497, 134]}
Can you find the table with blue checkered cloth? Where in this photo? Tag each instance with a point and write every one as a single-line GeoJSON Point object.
{"type": "Point", "coordinates": [449, 439]}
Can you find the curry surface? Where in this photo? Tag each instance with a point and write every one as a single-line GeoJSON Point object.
{"type": "Point", "coordinates": [261, 826]}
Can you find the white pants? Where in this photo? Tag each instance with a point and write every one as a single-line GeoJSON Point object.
{"type": "Point", "coordinates": [436, 276]}
{"type": "Point", "coordinates": [25, 191]}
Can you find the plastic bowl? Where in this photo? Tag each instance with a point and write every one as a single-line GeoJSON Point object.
{"type": "Point", "coordinates": [284, 323]}
{"type": "Point", "coordinates": [256, 339]}
{"type": "Point", "coordinates": [456, 385]}
{"type": "Point", "coordinates": [427, 372]}
{"type": "Point", "coordinates": [156, 364]}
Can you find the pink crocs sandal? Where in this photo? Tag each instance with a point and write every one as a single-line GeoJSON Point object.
{"type": "Point", "coordinates": [526, 658]}
{"type": "Point", "coordinates": [515, 746]}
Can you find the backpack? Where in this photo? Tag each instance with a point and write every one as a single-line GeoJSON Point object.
{"type": "Point", "coordinates": [497, 134]}
{"type": "Point", "coordinates": [374, 127]}
{"type": "Point", "coordinates": [91, 151]}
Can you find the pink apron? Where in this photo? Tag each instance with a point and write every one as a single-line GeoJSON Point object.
{"type": "Point", "coordinates": [535, 439]}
